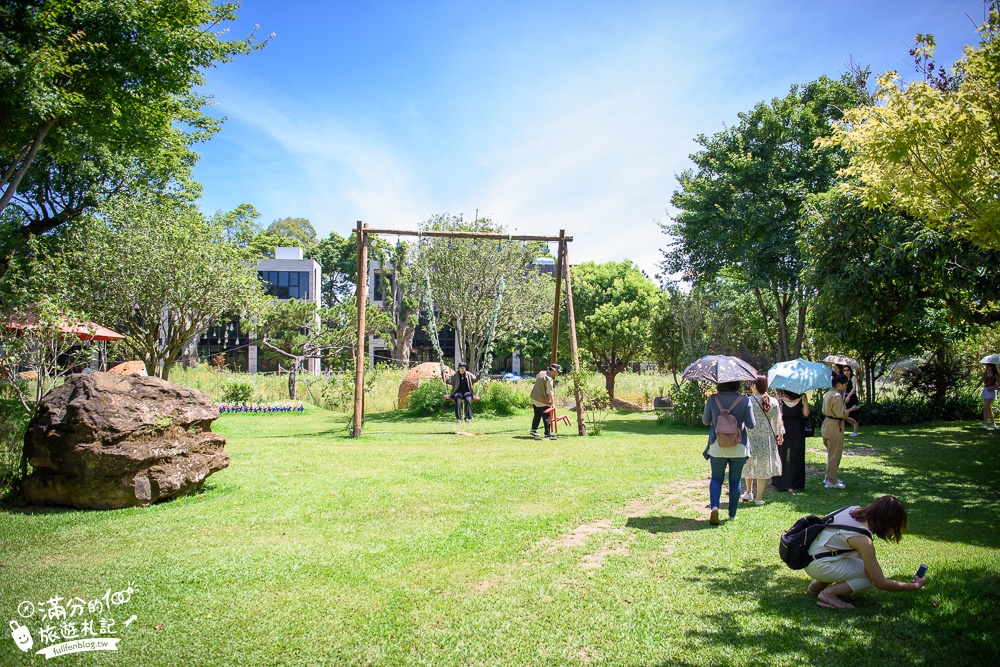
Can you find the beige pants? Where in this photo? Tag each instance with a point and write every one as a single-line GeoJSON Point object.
{"type": "Point", "coordinates": [850, 569]}
{"type": "Point", "coordinates": [834, 444]}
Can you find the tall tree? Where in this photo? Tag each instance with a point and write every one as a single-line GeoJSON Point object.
{"type": "Point", "coordinates": [932, 147]}
{"type": "Point", "coordinates": [885, 287]}
{"type": "Point", "coordinates": [299, 230]}
{"type": "Point", "coordinates": [402, 293]}
{"type": "Point", "coordinates": [466, 278]}
{"type": "Point", "coordinates": [153, 269]}
{"type": "Point", "coordinates": [614, 304]}
{"type": "Point", "coordinates": [303, 330]}
{"type": "Point", "coordinates": [67, 67]}
{"type": "Point", "coordinates": [739, 210]}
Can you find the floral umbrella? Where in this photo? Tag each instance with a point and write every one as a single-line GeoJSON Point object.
{"type": "Point", "coordinates": [842, 360]}
{"type": "Point", "coordinates": [719, 368]}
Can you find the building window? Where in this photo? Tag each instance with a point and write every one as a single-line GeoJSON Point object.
{"type": "Point", "coordinates": [286, 284]}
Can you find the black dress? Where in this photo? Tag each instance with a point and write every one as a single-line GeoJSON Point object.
{"type": "Point", "coordinates": [852, 400]}
{"type": "Point", "coordinates": [793, 452]}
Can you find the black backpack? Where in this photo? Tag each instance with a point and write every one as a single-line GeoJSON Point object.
{"type": "Point", "coordinates": [793, 547]}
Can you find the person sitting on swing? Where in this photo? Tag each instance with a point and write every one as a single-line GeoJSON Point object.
{"type": "Point", "coordinates": [461, 392]}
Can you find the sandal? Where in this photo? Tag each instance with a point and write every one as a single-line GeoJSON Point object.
{"type": "Point", "coordinates": [828, 604]}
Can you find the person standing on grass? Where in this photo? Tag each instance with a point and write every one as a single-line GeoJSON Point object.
{"type": "Point", "coordinates": [792, 452]}
{"type": "Point", "coordinates": [727, 399]}
{"type": "Point", "coordinates": [989, 382]}
{"type": "Point", "coordinates": [855, 567]}
{"type": "Point", "coordinates": [851, 397]}
{"type": "Point", "coordinates": [764, 461]}
{"type": "Point", "coordinates": [835, 414]}
{"type": "Point", "coordinates": [543, 400]}
{"type": "Point", "coordinates": [461, 392]}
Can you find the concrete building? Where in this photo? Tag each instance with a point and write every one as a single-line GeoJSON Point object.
{"type": "Point", "coordinates": [287, 276]}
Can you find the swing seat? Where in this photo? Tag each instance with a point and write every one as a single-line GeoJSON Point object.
{"type": "Point", "coordinates": [448, 398]}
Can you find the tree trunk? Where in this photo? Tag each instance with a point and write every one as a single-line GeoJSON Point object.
{"type": "Point", "coordinates": [609, 382]}
{"type": "Point", "coordinates": [293, 378]}
{"type": "Point", "coordinates": [781, 310]}
{"type": "Point", "coordinates": [800, 329]}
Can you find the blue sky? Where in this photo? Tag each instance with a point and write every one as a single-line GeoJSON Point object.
{"type": "Point", "coordinates": [541, 115]}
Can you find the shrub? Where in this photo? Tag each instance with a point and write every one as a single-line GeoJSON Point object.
{"type": "Point", "coordinates": [911, 409]}
{"type": "Point", "coordinates": [238, 390]}
{"type": "Point", "coordinates": [13, 422]}
{"type": "Point", "coordinates": [427, 398]}
{"type": "Point", "coordinates": [502, 399]}
{"type": "Point", "coordinates": [935, 378]}
{"type": "Point", "coordinates": [689, 402]}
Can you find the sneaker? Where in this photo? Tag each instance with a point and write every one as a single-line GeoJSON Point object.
{"type": "Point", "coordinates": [834, 485]}
{"type": "Point", "coordinates": [747, 497]}
{"type": "Point", "coordinates": [853, 435]}
{"type": "Point", "coordinates": [458, 422]}
{"type": "Point", "coordinates": [758, 503]}
{"type": "Point", "coordinates": [552, 437]}
{"type": "Point", "coordinates": [713, 518]}
{"type": "Point", "coordinates": [534, 434]}
{"type": "Point", "coordinates": [984, 426]}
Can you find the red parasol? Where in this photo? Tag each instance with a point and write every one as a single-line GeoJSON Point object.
{"type": "Point", "coordinates": [82, 330]}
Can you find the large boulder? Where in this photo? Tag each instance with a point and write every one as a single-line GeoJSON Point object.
{"type": "Point", "coordinates": [104, 441]}
{"type": "Point", "coordinates": [417, 374]}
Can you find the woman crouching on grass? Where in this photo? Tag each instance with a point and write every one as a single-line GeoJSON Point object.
{"type": "Point", "coordinates": [855, 566]}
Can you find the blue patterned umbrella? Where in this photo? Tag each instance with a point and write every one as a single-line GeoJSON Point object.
{"type": "Point", "coordinates": [719, 368]}
{"type": "Point", "coordinates": [799, 375]}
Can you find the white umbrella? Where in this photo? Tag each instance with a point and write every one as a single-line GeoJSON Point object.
{"type": "Point", "coordinates": [991, 359]}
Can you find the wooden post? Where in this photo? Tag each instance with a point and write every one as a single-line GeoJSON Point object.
{"type": "Point", "coordinates": [555, 311]}
{"type": "Point", "coordinates": [581, 426]}
{"type": "Point", "coordinates": [359, 360]}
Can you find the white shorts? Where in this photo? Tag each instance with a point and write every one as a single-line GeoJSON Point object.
{"type": "Point", "coordinates": [834, 570]}
{"type": "Point", "coordinates": [989, 394]}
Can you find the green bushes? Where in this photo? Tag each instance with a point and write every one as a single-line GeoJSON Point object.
{"type": "Point", "coordinates": [689, 403]}
{"type": "Point", "coordinates": [910, 409]}
{"type": "Point", "coordinates": [502, 399]}
{"type": "Point", "coordinates": [238, 390]}
{"type": "Point", "coordinates": [13, 422]}
{"type": "Point", "coordinates": [496, 397]}
{"type": "Point", "coordinates": [427, 398]}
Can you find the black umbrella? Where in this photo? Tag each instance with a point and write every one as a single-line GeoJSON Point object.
{"type": "Point", "coordinates": [719, 368]}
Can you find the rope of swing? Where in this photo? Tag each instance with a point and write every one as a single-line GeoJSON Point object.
{"type": "Point", "coordinates": [429, 304]}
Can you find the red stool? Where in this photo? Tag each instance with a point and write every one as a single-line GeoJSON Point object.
{"type": "Point", "coordinates": [556, 419]}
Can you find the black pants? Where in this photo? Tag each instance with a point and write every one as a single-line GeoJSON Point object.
{"type": "Point", "coordinates": [463, 398]}
{"type": "Point", "coordinates": [542, 414]}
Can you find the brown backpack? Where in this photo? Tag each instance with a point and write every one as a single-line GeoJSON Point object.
{"type": "Point", "coordinates": [727, 429]}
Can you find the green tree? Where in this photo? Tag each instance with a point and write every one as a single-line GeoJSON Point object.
{"type": "Point", "coordinates": [338, 257]}
{"type": "Point", "coordinates": [931, 147]}
{"type": "Point", "coordinates": [614, 303]}
{"type": "Point", "coordinates": [153, 269]}
{"type": "Point", "coordinates": [882, 282]}
{"type": "Point", "coordinates": [402, 293]}
{"type": "Point", "coordinates": [466, 276]}
{"type": "Point", "coordinates": [302, 330]}
{"type": "Point", "coordinates": [67, 68]}
{"type": "Point", "coordinates": [299, 230]}
{"type": "Point", "coordinates": [739, 210]}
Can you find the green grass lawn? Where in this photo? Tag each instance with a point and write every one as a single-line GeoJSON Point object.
{"type": "Point", "coordinates": [417, 546]}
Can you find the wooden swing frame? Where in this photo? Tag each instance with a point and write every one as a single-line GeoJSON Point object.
{"type": "Point", "coordinates": [562, 273]}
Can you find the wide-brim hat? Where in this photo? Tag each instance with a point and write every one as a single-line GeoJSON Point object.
{"type": "Point", "coordinates": [555, 367]}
